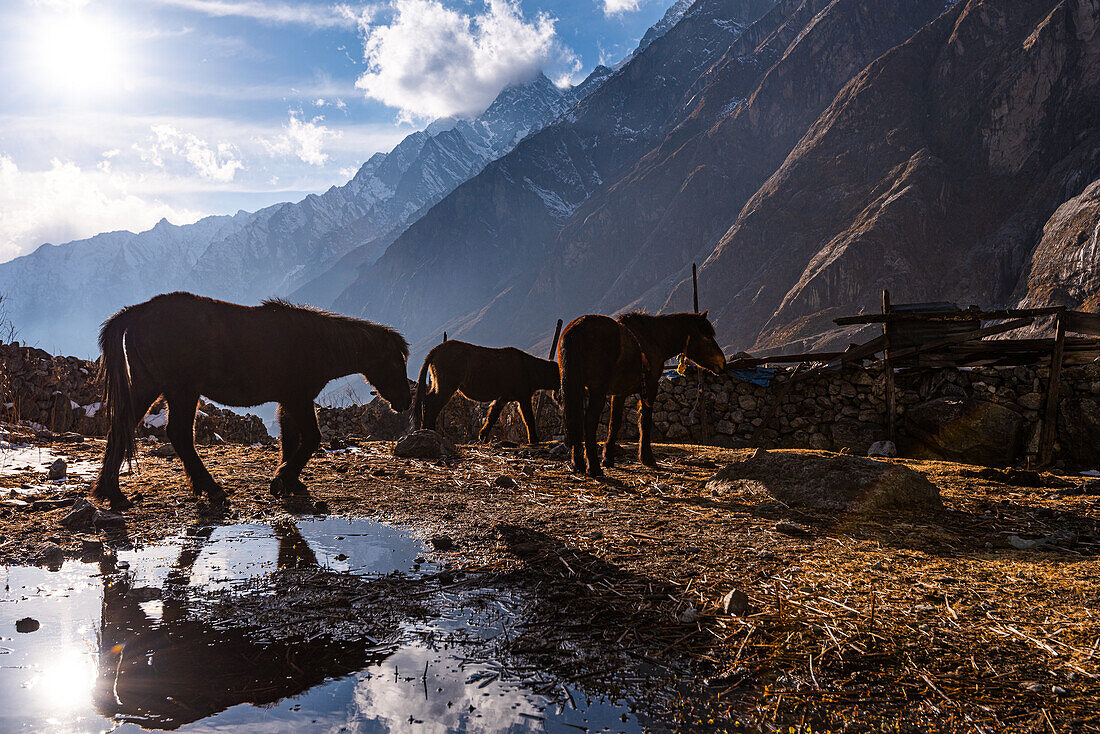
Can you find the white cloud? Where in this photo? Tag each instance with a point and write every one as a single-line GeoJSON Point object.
{"type": "Point", "coordinates": [217, 163]}
{"type": "Point", "coordinates": [302, 139]}
{"type": "Point", "coordinates": [431, 61]}
{"type": "Point", "coordinates": [65, 202]}
{"type": "Point", "coordinates": [618, 7]}
{"type": "Point", "coordinates": [316, 15]}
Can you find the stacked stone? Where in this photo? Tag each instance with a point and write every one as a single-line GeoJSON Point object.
{"type": "Point", "coordinates": [63, 394]}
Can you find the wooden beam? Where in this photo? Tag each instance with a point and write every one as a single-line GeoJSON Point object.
{"type": "Point", "coordinates": [888, 367]}
{"type": "Point", "coordinates": [964, 337]}
{"type": "Point", "coordinates": [1050, 413]}
{"type": "Point", "coordinates": [1081, 322]}
{"type": "Point", "coordinates": [553, 348]}
{"type": "Point", "coordinates": [964, 315]}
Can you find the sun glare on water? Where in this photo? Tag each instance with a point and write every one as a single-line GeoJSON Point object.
{"type": "Point", "coordinates": [78, 55]}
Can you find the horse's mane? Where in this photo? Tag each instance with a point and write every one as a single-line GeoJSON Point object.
{"type": "Point", "coordinates": [319, 314]}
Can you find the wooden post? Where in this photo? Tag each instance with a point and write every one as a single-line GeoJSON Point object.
{"type": "Point", "coordinates": [553, 348]}
{"type": "Point", "coordinates": [1050, 416]}
{"type": "Point", "coordinates": [888, 367]}
{"type": "Point", "coordinates": [444, 336]}
{"type": "Point", "coordinates": [694, 288]}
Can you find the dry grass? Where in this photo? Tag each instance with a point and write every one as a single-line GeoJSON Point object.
{"type": "Point", "coordinates": [930, 623]}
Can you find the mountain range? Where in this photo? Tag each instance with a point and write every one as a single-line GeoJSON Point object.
{"type": "Point", "coordinates": [805, 153]}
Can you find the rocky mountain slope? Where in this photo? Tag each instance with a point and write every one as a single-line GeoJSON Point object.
{"type": "Point", "coordinates": [58, 295]}
{"type": "Point", "coordinates": [483, 241]}
{"type": "Point", "coordinates": [814, 153]}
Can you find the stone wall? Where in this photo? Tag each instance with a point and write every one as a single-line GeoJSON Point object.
{"type": "Point", "coordinates": [986, 415]}
{"type": "Point", "coordinates": [62, 394]}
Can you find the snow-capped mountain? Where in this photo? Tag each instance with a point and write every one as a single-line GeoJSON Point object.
{"type": "Point", "coordinates": [58, 294]}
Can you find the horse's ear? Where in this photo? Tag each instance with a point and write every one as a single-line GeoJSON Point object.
{"type": "Point", "coordinates": [705, 312]}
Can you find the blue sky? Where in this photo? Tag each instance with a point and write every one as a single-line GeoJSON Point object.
{"type": "Point", "coordinates": [115, 113]}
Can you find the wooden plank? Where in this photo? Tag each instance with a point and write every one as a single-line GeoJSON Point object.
{"type": "Point", "coordinates": [1050, 413]}
{"type": "Point", "coordinates": [964, 315]}
{"type": "Point", "coordinates": [553, 348]}
{"type": "Point", "coordinates": [964, 337]}
{"type": "Point", "coordinates": [1081, 322]}
{"type": "Point", "coordinates": [888, 366]}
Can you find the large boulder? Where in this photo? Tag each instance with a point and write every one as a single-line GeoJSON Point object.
{"type": "Point", "coordinates": [1079, 431]}
{"type": "Point", "coordinates": [838, 483]}
{"type": "Point", "coordinates": [424, 444]}
{"type": "Point", "coordinates": [969, 431]}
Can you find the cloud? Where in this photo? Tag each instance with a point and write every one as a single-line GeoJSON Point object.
{"type": "Point", "coordinates": [65, 202]}
{"type": "Point", "coordinates": [302, 139]}
{"type": "Point", "coordinates": [618, 7]}
{"type": "Point", "coordinates": [430, 61]}
{"type": "Point", "coordinates": [217, 163]}
{"type": "Point", "coordinates": [317, 16]}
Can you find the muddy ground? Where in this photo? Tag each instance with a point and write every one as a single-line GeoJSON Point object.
{"type": "Point", "coordinates": [926, 623]}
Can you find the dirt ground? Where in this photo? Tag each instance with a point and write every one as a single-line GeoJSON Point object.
{"type": "Point", "coordinates": [929, 623]}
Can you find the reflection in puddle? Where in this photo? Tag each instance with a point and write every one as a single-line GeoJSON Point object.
{"type": "Point", "coordinates": [319, 625]}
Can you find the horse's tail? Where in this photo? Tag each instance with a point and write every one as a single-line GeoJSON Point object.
{"type": "Point", "coordinates": [572, 387]}
{"type": "Point", "coordinates": [421, 387]}
{"type": "Point", "coordinates": [114, 373]}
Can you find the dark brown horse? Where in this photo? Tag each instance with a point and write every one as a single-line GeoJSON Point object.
{"type": "Point", "coordinates": [182, 346]}
{"type": "Point", "coordinates": [482, 374]}
{"type": "Point", "coordinates": [603, 356]}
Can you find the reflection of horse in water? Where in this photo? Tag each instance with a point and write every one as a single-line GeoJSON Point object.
{"type": "Point", "coordinates": [183, 668]}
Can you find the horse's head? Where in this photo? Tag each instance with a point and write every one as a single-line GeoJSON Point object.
{"type": "Point", "coordinates": [387, 371]}
{"type": "Point", "coordinates": [702, 347]}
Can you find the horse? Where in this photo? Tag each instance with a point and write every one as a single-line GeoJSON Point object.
{"type": "Point", "coordinates": [483, 374]}
{"type": "Point", "coordinates": [181, 346]}
{"type": "Point", "coordinates": [621, 357]}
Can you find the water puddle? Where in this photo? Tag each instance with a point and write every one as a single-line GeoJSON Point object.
{"type": "Point", "coordinates": [24, 458]}
{"type": "Point", "coordinates": [321, 624]}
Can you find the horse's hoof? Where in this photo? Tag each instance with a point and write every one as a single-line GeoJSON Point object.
{"type": "Point", "coordinates": [595, 472]}
{"type": "Point", "coordinates": [120, 503]}
{"type": "Point", "coordinates": [277, 487]}
{"type": "Point", "coordinates": [650, 462]}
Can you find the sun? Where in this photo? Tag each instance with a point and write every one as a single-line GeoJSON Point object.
{"type": "Point", "coordinates": [79, 55]}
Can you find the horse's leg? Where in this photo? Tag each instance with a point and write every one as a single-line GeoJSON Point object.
{"type": "Point", "coordinates": [596, 397]}
{"type": "Point", "coordinates": [645, 425]}
{"type": "Point", "coordinates": [304, 417]}
{"type": "Point", "coordinates": [181, 432]}
{"type": "Point", "coordinates": [290, 439]}
{"type": "Point", "coordinates": [613, 424]}
{"type": "Point", "coordinates": [490, 420]}
{"type": "Point", "coordinates": [528, 413]}
{"type": "Point", "coordinates": [106, 484]}
{"type": "Point", "coordinates": [434, 402]}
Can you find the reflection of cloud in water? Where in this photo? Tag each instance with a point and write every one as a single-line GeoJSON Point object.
{"type": "Point", "coordinates": [384, 702]}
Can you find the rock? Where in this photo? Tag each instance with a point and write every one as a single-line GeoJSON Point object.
{"type": "Point", "coordinates": [442, 543]}
{"type": "Point", "coordinates": [1079, 430]}
{"type": "Point", "coordinates": [1031, 401]}
{"type": "Point", "coordinates": [27, 625]}
{"type": "Point", "coordinates": [163, 450]}
{"type": "Point", "coordinates": [793, 529]}
{"type": "Point", "coordinates": [559, 451]}
{"type": "Point", "coordinates": [106, 518]}
{"type": "Point", "coordinates": [838, 483]}
{"type": "Point", "coordinates": [735, 602]}
{"type": "Point", "coordinates": [855, 436]}
{"type": "Point", "coordinates": [883, 448]}
{"type": "Point", "coordinates": [968, 431]}
{"type": "Point", "coordinates": [57, 470]}
{"type": "Point", "coordinates": [52, 555]}
{"type": "Point", "coordinates": [424, 444]}
{"type": "Point", "coordinates": [688, 616]}
{"type": "Point", "coordinates": [505, 482]}
{"type": "Point", "coordinates": [80, 516]}
{"type": "Point", "coordinates": [320, 507]}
